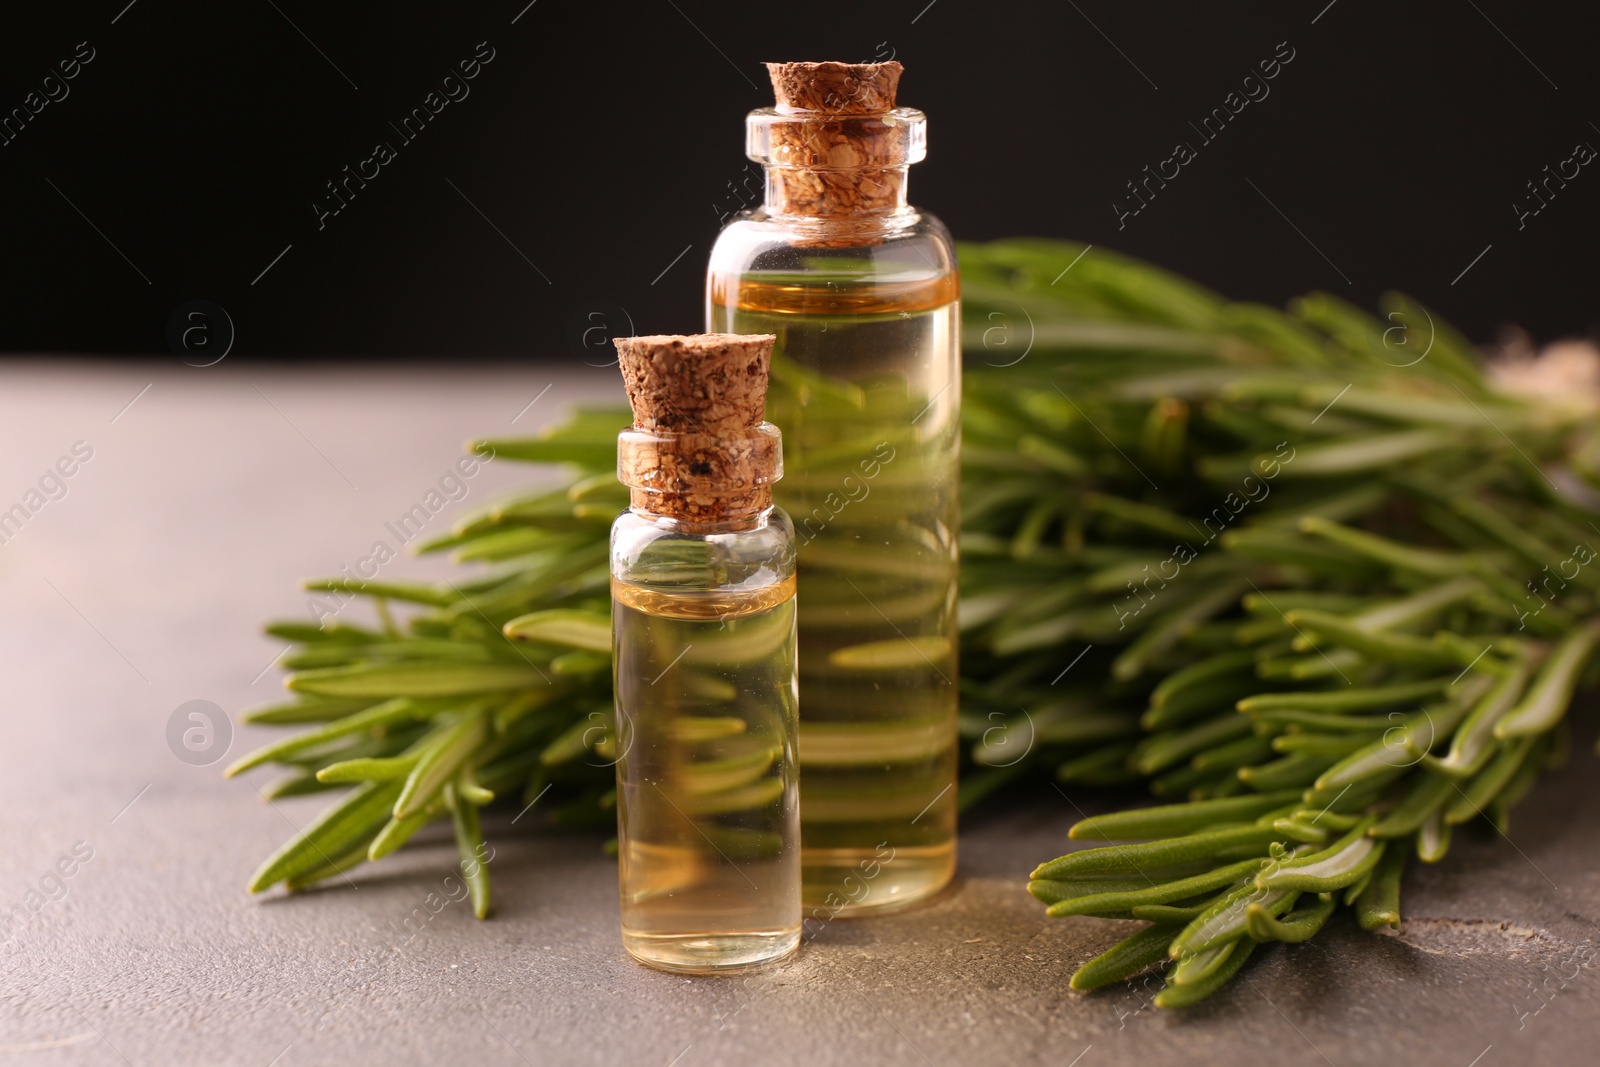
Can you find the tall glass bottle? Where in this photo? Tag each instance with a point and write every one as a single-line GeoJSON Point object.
{"type": "Point", "coordinates": [861, 291]}
{"type": "Point", "coordinates": [703, 637]}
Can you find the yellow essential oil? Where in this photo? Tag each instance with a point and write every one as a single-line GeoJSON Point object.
{"type": "Point", "coordinates": [707, 798]}
{"type": "Point", "coordinates": [704, 659]}
{"type": "Point", "coordinates": [861, 292]}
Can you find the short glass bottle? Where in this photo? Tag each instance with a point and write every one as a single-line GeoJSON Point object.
{"type": "Point", "coordinates": [703, 618]}
{"type": "Point", "coordinates": [862, 293]}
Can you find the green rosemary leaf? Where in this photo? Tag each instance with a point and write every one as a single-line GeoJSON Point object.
{"type": "Point", "coordinates": [580, 662]}
{"type": "Point", "coordinates": [1164, 633]}
{"type": "Point", "coordinates": [1348, 800]}
{"type": "Point", "coordinates": [1473, 741]}
{"type": "Point", "coordinates": [1318, 665]}
{"type": "Point", "coordinates": [468, 787]}
{"type": "Point", "coordinates": [415, 648]}
{"type": "Point", "coordinates": [1428, 793]}
{"type": "Point", "coordinates": [411, 592]}
{"type": "Point", "coordinates": [1160, 751]}
{"type": "Point", "coordinates": [1469, 802]}
{"type": "Point", "coordinates": [1389, 552]}
{"type": "Point", "coordinates": [1400, 748]}
{"type": "Point", "coordinates": [567, 628]}
{"type": "Point", "coordinates": [1091, 764]}
{"type": "Point", "coordinates": [1054, 891]}
{"type": "Point", "coordinates": [338, 868]}
{"type": "Point", "coordinates": [440, 760]}
{"type": "Point", "coordinates": [1433, 839]}
{"type": "Point", "coordinates": [368, 769]}
{"type": "Point", "coordinates": [1176, 916]}
{"type": "Point", "coordinates": [1500, 807]}
{"type": "Point", "coordinates": [309, 633]}
{"type": "Point", "coordinates": [583, 454]}
{"type": "Point", "coordinates": [1161, 520]}
{"type": "Point", "coordinates": [1380, 762]}
{"type": "Point", "coordinates": [898, 654]}
{"type": "Point", "coordinates": [1326, 819]}
{"type": "Point", "coordinates": [420, 679]}
{"type": "Point", "coordinates": [1112, 901]}
{"type": "Point", "coordinates": [1348, 698]}
{"type": "Point", "coordinates": [299, 785]}
{"type": "Point", "coordinates": [1067, 723]}
{"type": "Point", "coordinates": [472, 850]}
{"type": "Point", "coordinates": [1202, 686]}
{"type": "Point", "coordinates": [1449, 355]}
{"type": "Point", "coordinates": [333, 833]}
{"type": "Point", "coordinates": [1234, 754]}
{"type": "Point", "coordinates": [1333, 868]}
{"type": "Point", "coordinates": [1357, 887]}
{"type": "Point", "coordinates": [1332, 746]}
{"type": "Point", "coordinates": [576, 739]}
{"type": "Point", "coordinates": [1225, 920]}
{"type": "Point", "coordinates": [1151, 855]}
{"type": "Point", "coordinates": [1282, 600]}
{"type": "Point", "coordinates": [1399, 407]}
{"type": "Point", "coordinates": [1194, 991]}
{"type": "Point", "coordinates": [1317, 627]}
{"type": "Point", "coordinates": [1126, 959]}
{"type": "Point", "coordinates": [1547, 699]}
{"type": "Point", "coordinates": [1171, 820]}
{"type": "Point", "coordinates": [398, 830]}
{"type": "Point", "coordinates": [1414, 609]}
{"type": "Point", "coordinates": [313, 709]}
{"type": "Point", "coordinates": [388, 713]}
{"type": "Point", "coordinates": [1301, 924]}
{"type": "Point", "coordinates": [1305, 832]}
{"type": "Point", "coordinates": [1379, 904]}
{"type": "Point", "coordinates": [1296, 769]}
{"type": "Point", "coordinates": [1366, 453]}
{"type": "Point", "coordinates": [1195, 967]}
{"type": "Point", "coordinates": [1184, 781]}
{"type": "Point", "coordinates": [1494, 522]}
{"type": "Point", "coordinates": [1354, 725]}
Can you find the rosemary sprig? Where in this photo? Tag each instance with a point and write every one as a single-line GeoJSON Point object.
{"type": "Point", "coordinates": [1390, 672]}
{"type": "Point", "coordinates": [1292, 553]}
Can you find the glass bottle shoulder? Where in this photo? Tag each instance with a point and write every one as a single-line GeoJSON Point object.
{"type": "Point", "coordinates": [667, 556]}
{"type": "Point", "coordinates": [910, 246]}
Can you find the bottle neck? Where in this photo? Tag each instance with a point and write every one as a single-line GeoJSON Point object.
{"type": "Point", "coordinates": [702, 512]}
{"type": "Point", "coordinates": [856, 193]}
{"type": "Point", "coordinates": [739, 523]}
{"type": "Point", "coordinates": [826, 165]}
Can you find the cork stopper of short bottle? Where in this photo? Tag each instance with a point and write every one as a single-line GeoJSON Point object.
{"type": "Point", "coordinates": [699, 450]}
{"type": "Point", "coordinates": [837, 166]}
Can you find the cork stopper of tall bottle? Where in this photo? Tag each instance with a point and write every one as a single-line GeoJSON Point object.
{"type": "Point", "coordinates": [842, 155]}
{"type": "Point", "coordinates": [839, 88]}
{"type": "Point", "coordinates": [699, 449]}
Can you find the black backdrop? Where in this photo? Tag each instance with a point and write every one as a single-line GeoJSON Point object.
{"type": "Point", "coordinates": [588, 163]}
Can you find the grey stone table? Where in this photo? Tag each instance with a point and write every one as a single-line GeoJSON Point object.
{"type": "Point", "coordinates": [197, 498]}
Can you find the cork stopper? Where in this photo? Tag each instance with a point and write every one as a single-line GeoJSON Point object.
{"type": "Point", "coordinates": [698, 450]}
{"type": "Point", "coordinates": [835, 145]}
{"type": "Point", "coordinates": [840, 88]}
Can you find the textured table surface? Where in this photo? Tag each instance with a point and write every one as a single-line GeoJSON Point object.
{"type": "Point", "coordinates": [204, 501]}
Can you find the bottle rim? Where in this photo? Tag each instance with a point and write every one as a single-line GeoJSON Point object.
{"type": "Point", "coordinates": [879, 140]}
{"type": "Point", "coordinates": [757, 453]}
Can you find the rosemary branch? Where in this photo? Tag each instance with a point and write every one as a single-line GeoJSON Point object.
{"type": "Point", "coordinates": [1330, 593]}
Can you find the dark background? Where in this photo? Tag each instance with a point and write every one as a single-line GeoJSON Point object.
{"type": "Point", "coordinates": [605, 139]}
